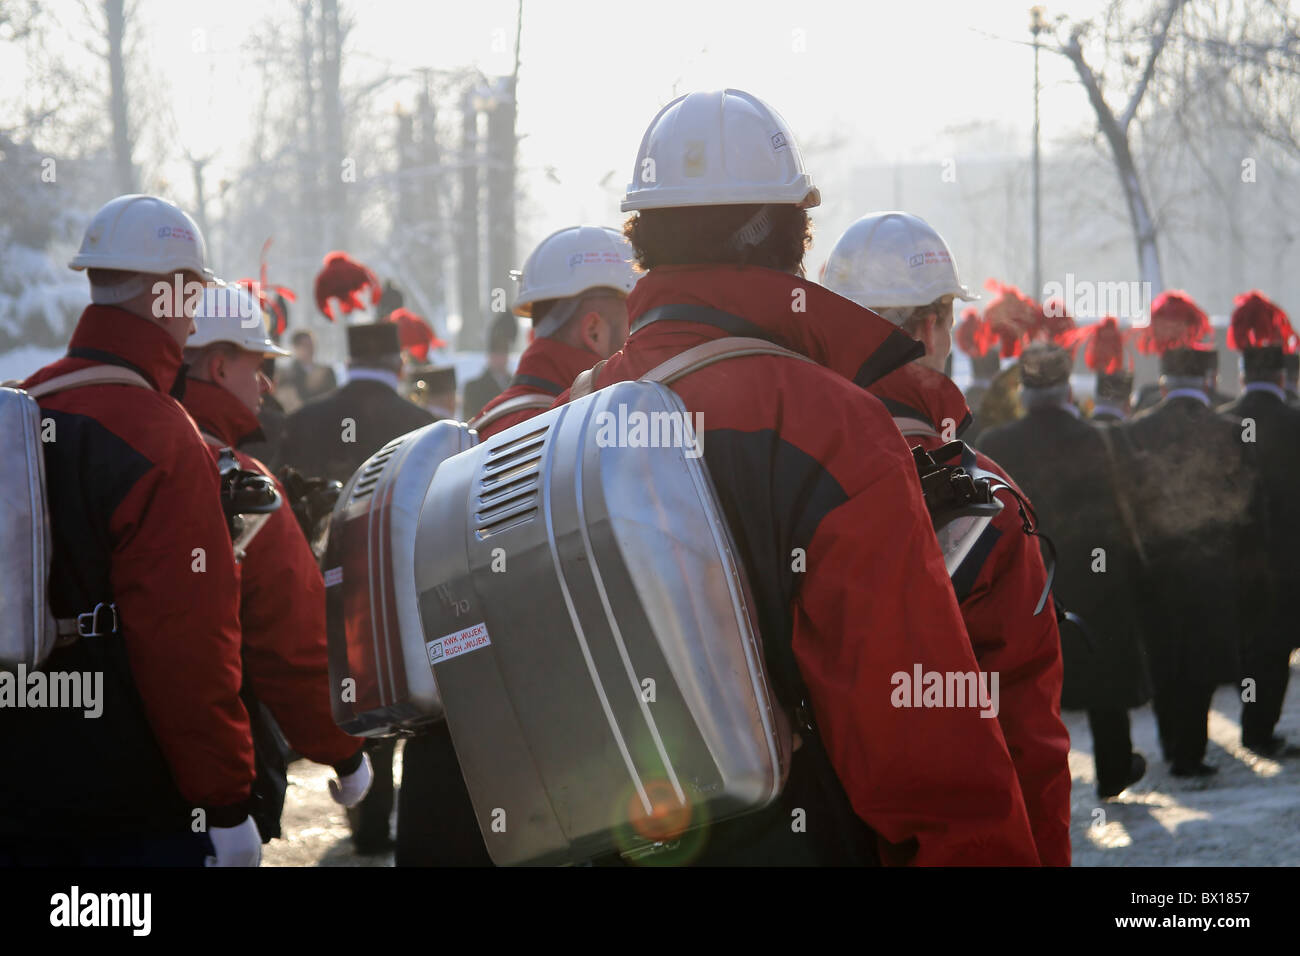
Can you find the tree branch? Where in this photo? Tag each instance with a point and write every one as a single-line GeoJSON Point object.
{"type": "Point", "coordinates": [1157, 44]}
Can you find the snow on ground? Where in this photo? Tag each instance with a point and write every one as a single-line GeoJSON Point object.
{"type": "Point", "coordinates": [1247, 815]}
{"type": "Point", "coordinates": [21, 362]}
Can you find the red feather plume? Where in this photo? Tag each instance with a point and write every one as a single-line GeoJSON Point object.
{"type": "Point", "coordinates": [1104, 345]}
{"type": "Point", "coordinates": [1011, 316]}
{"type": "Point", "coordinates": [1176, 323]}
{"type": "Point", "coordinates": [974, 336]}
{"type": "Point", "coordinates": [1256, 322]}
{"type": "Point", "coordinates": [416, 334]}
{"type": "Point", "coordinates": [344, 279]}
{"type": "Point", "coordinates": [263, 290]}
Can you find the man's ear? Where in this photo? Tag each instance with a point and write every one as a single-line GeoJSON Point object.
{"type": "Point", "coordinates": [592, 330]}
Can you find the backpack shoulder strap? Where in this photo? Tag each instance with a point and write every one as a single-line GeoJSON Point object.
{"type": "Point", "coordinates": [583, 384]}
{"type": "Point", "coordinates": [912, 427]}
{"type": "Point", "coordinates": [706, 353]}
{"type": "Point", "coordinates": [511, 405]}
{"type": "Point", "coordinates": [93, 375]}
{"type": "Point", "coordinates": [692, 360]}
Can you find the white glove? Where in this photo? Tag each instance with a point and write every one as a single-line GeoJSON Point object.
{"type": "Point", "coordinates": [352, 789]}
{"type": "Point", "coordinates": [240, 845]}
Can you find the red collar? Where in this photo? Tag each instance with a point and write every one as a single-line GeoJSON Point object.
{"type": "Point", "coordinates": [549, 362]}
{"type": "Point", "coordinates": [219, 413]}
{"type": "Point", "coordinates": [105, 334]}
{"type": "Point", "coordinates": [915, 391]}
{"type": "Point", "coordinates": [784, 308]}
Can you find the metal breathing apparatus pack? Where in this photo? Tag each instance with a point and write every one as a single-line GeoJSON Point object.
{"type": "Point", "coordinates": [962, 500]}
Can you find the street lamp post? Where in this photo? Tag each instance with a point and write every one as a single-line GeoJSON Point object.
{"type": "Point", "coordinates": [1037, 26]}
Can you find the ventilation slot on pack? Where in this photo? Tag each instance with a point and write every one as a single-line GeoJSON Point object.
{"type": "Point", "coordinates": [508, 485]}
{"type": "Point", "coordinates": [371, 472]}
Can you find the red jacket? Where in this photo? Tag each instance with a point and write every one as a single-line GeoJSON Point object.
{"type": "Point", "coordinates": [136, 519]}
{"type": "Point", "coordinates": [998, 589]}
{"type": "Point", "coordinates": [547, 367]}
{"type": "Point", "coordinates": [850, 589]}
{"type": "Point", "coordinates": [282, 601]}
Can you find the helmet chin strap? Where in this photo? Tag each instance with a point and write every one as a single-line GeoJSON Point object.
{"type": "Point", "coordinates": [117, 292]}
{"type": "Point", "coordinates": [757, 228]}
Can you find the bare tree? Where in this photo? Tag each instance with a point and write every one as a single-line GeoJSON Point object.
{"type": "Point", "coordinates": [1116, 129]}
{"type": "Point", "coordinates": [115, 19]}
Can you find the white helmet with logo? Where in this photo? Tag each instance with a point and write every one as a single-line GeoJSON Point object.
{"type": "Point", "coordinates": [724, 147]}
{"type": "Point", "coordinates": [142, 234]}
{"type": "Point", "coordinates": [233, 314]}
{"type": "Point", "coordinates": [895, 262]}
{"type": "Point", "coordinates": [573, 260]}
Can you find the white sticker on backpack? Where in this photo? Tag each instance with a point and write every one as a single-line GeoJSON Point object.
{"type": "Point", "coordinates": [455, 644]}
{"type": "Point", "coordinates": [333, 577]}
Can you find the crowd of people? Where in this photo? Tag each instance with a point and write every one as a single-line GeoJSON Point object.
{"type": "Point", "coordinates": [1135, 556]}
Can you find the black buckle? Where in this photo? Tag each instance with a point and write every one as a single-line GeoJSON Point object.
{"type": "Point", "coordinates": [91, 619]}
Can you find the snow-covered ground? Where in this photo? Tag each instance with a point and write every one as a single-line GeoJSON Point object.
{"type": "Point", "coordinates": [1247, 815]}
{"type": "Point", "coordinates": [21, 362]}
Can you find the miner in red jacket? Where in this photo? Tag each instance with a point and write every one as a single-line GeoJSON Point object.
{"type": "Point", "coordinates": [574, 287]}
{"type": "Point", "coordinates": [282, 594]}
{"type": "Point", "coordinates": [143, 568]}
{"type": "Point", "coordinates": [821, 494]}
{"type": "Point", "coordinates": [898, 266]}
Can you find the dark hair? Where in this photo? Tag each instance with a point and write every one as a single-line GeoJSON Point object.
{"type": "Point", "coordinates": [701, 235]}
{"type": "Point", "coordinates": [302, 335]}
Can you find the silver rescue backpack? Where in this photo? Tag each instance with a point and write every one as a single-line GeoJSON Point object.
{"type": "Point", "coordinates": [576, 611]}
{"type": "Point", "coordinates": [28, 629]}
{"type": "Point", "coordinates": [575, 608]}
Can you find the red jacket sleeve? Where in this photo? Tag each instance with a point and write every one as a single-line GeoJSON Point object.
{"type": "Point", "coordinates": [173, 577]}
{"type": "Point", "coordinates": [1025, 651]}
{"type": "Point", "coordinates": [285, 656]}
{"type": "Point", "coordinates": [937, 784]}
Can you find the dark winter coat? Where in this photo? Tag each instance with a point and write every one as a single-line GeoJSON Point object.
{"type": "Point", "coordinates": [1060, 462]}
{"type": "Point", "coordinates": [1195, 496]}
{"type": "Point", "coordinates": [1274, 571]}
{"type": "Point", "coordinates": [369, 413]}
{"type": "Point", "coordinates": [480, 391]}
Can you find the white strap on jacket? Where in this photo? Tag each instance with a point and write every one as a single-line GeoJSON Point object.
{"type": "Point", "coordinates": [915, 426]}
{"type": "Point", "coordinates": [511, 405]}
{"type": "Point", "coordinates": [93, 375]}
{"type": "Point", "coordinates": [692, 360]}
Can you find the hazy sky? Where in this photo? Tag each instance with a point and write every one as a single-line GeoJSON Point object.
{"type": "Point", "coordinates": [881, 78]}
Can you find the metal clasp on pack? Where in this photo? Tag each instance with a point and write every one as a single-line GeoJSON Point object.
{"type": "Point", "coordinates": [91, 620]}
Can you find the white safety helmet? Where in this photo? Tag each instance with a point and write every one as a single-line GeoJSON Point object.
{"type": "Point", "coordinates": [723, 147]}
{"type": "Point", "coordinates": [573, 260]}
{"type": "Point", "coordinates": [233, 314]}
{"type": "Point", "coordinates": [893, 262]}
{"type": "Point", "coordinates": [142, 234]}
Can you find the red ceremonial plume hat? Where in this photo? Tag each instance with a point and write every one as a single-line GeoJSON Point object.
{"type": "Point", "coordinates": [1258, 322]}
{"type": "Point", "coordinates": [1176, 323]}
{"type": "Point", "coordinates": [344, 279]}
{"type": "Point", "coordinates": [416, 334]}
